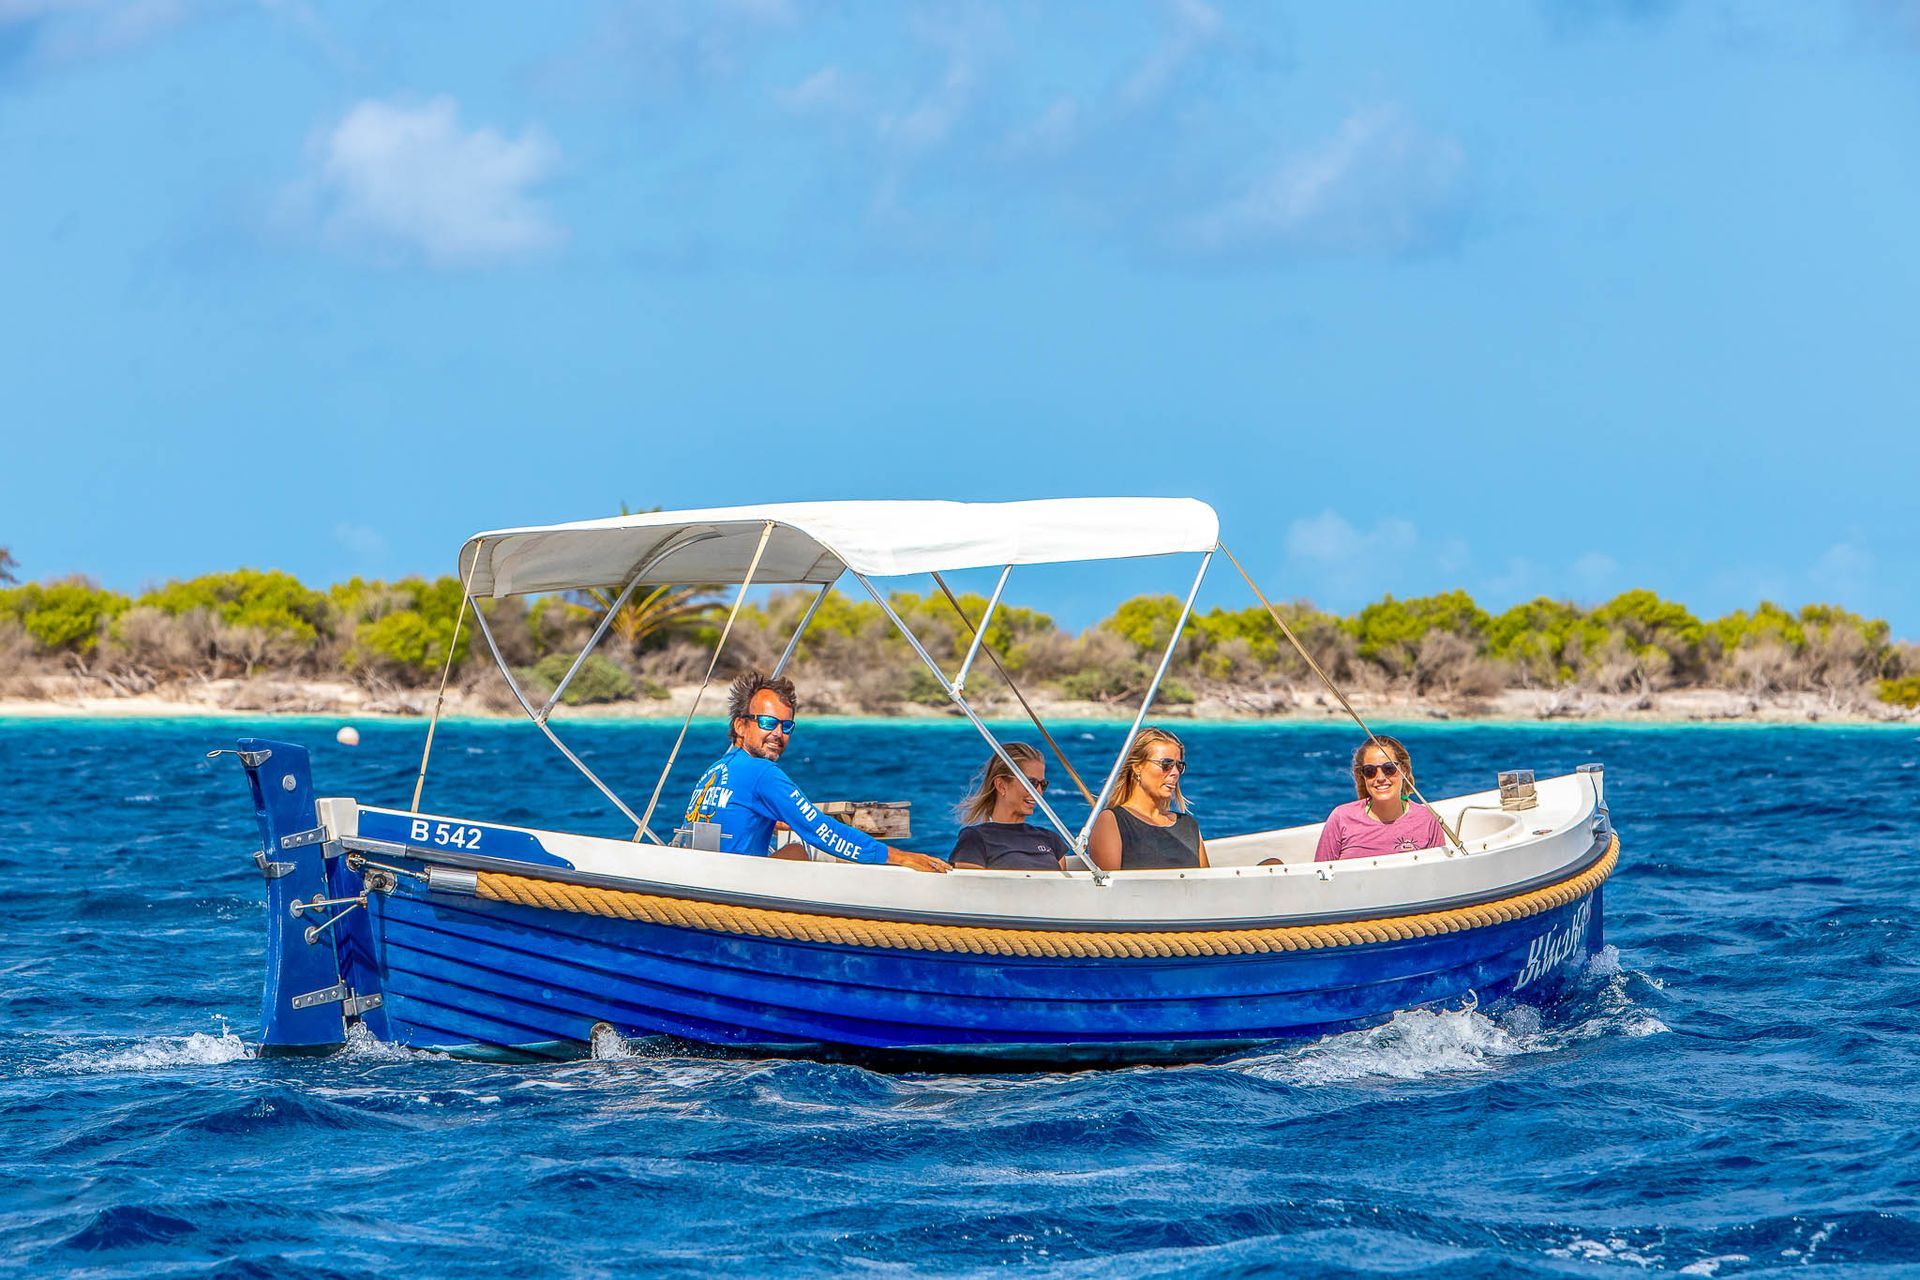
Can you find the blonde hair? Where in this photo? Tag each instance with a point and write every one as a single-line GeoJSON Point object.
{"type": "Point", "coordinates": [1394, 748]}
{"type": "Point", "coordinates": [1143, 751]}
{"type": "Point", "coordinates": [978, 806]}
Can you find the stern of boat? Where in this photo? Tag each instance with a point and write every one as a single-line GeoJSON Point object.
{"type": "Point", "coordinates": [320, 975]}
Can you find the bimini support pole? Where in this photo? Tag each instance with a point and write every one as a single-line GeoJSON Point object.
{"type": "Point", "coordinates": [806, 620]}
{"type": "Point", "coordinates": [960, 700]}
{"type": "Point", "coordinates": [1333, 688]}
{"type": "Point", "coordinates": [739, 597]}
{"type": "Point", "coordinates": [1013, 688]}
{"type": "Point", "coordinates": [979, 632]}
{"type": "Point", "coordinates": [553, 699]}
{"type": "Point", "coordinates": [646, 566]}
{"type": "Point", "coordinates": [520, 697]}
{"type": "Point", "coordinates": [453, 647]}
{"type": "Point", "coordinates": [1133, 730]}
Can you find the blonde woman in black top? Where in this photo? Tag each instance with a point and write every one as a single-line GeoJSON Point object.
{"type": "Point", "coordinates": [1146, 827]}
{"type": "Point", "coordinates": [998, 836]}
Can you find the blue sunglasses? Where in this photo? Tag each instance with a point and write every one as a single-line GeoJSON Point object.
{"type": "Point", "coordinates": [769, 723]}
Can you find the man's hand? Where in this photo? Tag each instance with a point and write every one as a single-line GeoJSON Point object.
{"type": "Point", "coordinates": [915, 861]}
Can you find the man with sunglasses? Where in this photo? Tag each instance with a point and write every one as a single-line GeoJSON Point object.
{"type": "Point", "coordinates": [746, 791]}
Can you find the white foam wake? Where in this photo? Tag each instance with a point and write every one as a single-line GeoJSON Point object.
{"type": "Point", "coordinates": [158, 1053]}
{"type": "Point", "coordinates": [1422, 1043]}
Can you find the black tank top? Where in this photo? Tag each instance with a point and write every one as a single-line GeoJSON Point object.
{"type": "Point", "coordinates": [1145, 847]}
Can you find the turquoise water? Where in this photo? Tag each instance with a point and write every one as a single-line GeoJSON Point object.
{"type": "Point", "coordinates": [1730, 1091]}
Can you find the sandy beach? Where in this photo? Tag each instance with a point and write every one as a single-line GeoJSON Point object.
{"type": "Point", "coordinates": [69, 697]}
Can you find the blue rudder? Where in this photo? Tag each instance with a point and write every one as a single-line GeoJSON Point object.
{"type": "Point", "coordinates": [303, 1008]}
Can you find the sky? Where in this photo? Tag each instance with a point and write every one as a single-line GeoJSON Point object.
{"type": "Point", "coordinates": [1520, 298]}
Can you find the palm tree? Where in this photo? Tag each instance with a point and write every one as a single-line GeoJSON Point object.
{"type": "Point", "coordinates": [7, 565]}
{"type": "Point", "coordinates": [660, 609]}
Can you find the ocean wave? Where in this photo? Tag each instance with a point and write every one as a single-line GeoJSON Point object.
{"type": "Point", "coordinates": [1771, 1129]}
{"type": "Point", "coordinates": [1422, 1043]}
{"type": "Point", "coordinates": [157, 1053]}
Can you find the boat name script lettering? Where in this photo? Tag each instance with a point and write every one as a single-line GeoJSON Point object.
{"type": "Point", "coordinates": [444, 834]}
{"type": "Point", "coordinates": [1555, 945]}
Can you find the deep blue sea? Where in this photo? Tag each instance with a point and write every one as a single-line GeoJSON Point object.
{"type": "Point", "coordinates": [1733, 1090]}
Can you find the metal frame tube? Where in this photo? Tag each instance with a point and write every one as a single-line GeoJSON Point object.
{"type": "Point", "coordinates": [645, 568]}
{"type": "Point", "coordinates": [592, 640]}
{"type": "Point", "coordinates": [980, 631]}
{"type": "Point", "coordinates": [959, 700]}
{"type": "Point", "coordinates": [806, 619]}
{"type": "Point", "coordinates": [514, 685]}
{"type": "Point", "coordinates": [1166, 659]}
{"type": "Point", "coordinates": [739, 598]}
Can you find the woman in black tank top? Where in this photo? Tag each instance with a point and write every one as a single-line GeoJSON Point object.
{"type": "Point", "coordinates": [1147, 826]}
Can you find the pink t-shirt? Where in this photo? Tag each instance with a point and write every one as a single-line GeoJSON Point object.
{"type": "Point", "coordinates": [1351, 833]}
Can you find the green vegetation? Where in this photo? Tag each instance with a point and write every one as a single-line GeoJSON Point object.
{"type": "Point", "coordinates": [1904, 692]}
{"type": "Point", "coordinates": [599, 680]}
{"type": "Point", "coordinates": [67, 616]}
{"type": "Point", "coordinates": [395, 635]}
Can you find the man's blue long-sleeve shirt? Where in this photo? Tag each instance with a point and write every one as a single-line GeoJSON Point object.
{"type": "Point", "coordinates": [747, 795]}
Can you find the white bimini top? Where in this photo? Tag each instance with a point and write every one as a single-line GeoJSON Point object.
{"type": "Point", "coordinates": [814, 542]}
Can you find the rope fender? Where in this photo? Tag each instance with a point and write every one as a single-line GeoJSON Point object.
{"type": "Point", "coordinates": [796, 926]}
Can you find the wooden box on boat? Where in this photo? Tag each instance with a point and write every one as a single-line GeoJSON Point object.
{"type": "Point", "coordinates": [881, 819]}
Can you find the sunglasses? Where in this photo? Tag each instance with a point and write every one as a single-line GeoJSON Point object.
{"type": "Point", "coordinates": [1389, 769]}
{"type": "Point", "coordinates": [1039, 785]}
{"type": "Point", "coordinates": [769, 723]}
{"type": "Point", "coordinates": [1167, 764]}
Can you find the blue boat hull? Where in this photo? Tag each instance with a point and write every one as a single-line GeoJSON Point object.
{"type": "Point", "coordinates": [463, 973]}
{"type": "Point", "coordinates": [441, 968]}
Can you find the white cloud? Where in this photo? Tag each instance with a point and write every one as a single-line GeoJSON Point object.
{"type": "Point", "coordinates": [78, 30]}
{"type": "Point", "coordinates": [1195, 26]}
{"type": "Point", "coordinates": [1328, 541]}
{"type": "Point", "coordinates": [1842, 574]}
{"type": "Point", "coordinates": [928, 122]}
{"type": "Point", "coordinates": [827, 91]}
{"type": "Point", "coordinates": [1595, 572]}
{"type": "Point", "coordinates": [411, 176]}
{"type": "Point", "coordinates": [1517, 581]}
{"type": "Point", "coordinates": [366, 544]}
{"type": "Point", "coordinates": [1052, 134]}
{"type": "Point", "coordinates": [1380, 184]}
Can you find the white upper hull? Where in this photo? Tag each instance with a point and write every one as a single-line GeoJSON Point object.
{"type": "Point", "coordinates": [1505, 853]}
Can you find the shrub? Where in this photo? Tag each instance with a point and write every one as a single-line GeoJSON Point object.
{"type": "Point", "coordinates": [1645, 623]}
{"type": "Point", "coordinates": [1544, 640]}
{"type": "Point", "coordinates": [1174, 693]}
{"type": "Point", "coordinates": [1901, 692]}
{"type": "Point", "coordinates": [67, 616]}
{"type": "Point", "coordinates": [599, 680]}
{"type": "Point", "coordinates": [401, 630]}
{"type": "Point", "coordinates": [161, 644]}
{"type": "Point", "coordinates": [1247, 631]}
{"type": "Point", "coordinates": [1145, 622]}
{"type": "Point", "coordinates": [405, 645]}
{"type": "Point", "coordinates": [924, 689]}
{"type": "Point", "coordinates": [272, 603]}
{"type": "Point", "coordinates": [1106, 683]}
{"type": "Point", "coordinates": [1390, 630]}
{"type": "Point", "coordinates": [15, 644]}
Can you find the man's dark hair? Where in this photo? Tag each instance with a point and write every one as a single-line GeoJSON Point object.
{"type": "Point", "coordinates": [745, 685]}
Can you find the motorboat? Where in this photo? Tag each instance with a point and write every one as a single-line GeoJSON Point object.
{"type": "Point", "coordinates": [457, 932]}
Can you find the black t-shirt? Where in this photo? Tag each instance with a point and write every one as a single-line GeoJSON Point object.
{"type": "Point", "coordinates": [1010, 846]}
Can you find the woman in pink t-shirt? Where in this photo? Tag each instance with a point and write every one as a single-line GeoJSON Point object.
{"type": "Point", "coordinates": [1384, 819]}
